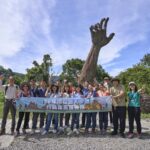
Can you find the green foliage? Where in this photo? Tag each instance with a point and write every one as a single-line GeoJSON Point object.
{"type": "Point", "coordinates": [8, 72]}
{"type": "Point", "coordinates": [40, 71]}
{"type": "Point", "coordinates": [73, 67]}
{"type": "Point", "coordinates": [1, 97]}
{"type": "Point", "coordinates": [139, 73]}
{"type": "Point", "coordinates": [145, 60]}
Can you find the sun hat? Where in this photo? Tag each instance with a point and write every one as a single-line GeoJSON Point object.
{"type": "Point", "coordinates": [132, 83]}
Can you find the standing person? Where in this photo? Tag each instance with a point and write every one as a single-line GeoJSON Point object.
{"type": "Point", "coordinates": [61, 129]}
{"type": "Point", "coordinates": [10, 92]}
{"type": "Point", "coordinates": [119, 110]}
{"type": "Point", "coordinates": [25, 92]}
{"type": "Point", "coordinates": [103, 116]}
{"type": "Point", "coordinates": [134, 112]}
{"type": "Point", "coordinates": [91, 116]}
{"type": "Point", "coordinates": [34, 93]}
{"type": "Point", "coordinates": [67, 95]}
{"type": "Point", "coordinates": [75, 116]}
{"type": "Point", "coordinates": [53, 94]}
{"type": "Point", "coordinates": [40, 93]}
{"type": "Point", "coordinates": [107, 84]}
{"type": "Point", "coordinates": [85, 93]}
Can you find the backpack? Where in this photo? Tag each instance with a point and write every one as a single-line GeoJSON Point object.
{"type": "Point", "coordinates": [6, 88]}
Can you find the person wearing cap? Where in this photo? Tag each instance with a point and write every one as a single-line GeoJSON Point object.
{"type": "Point", "coordinates": [119, 106]}
{"type": "Point", "coordinates": [10, 91]}
{"type": "Point", "coordinates": [25, 92]}
{"type": "Point", "coordinates": [134, 112]}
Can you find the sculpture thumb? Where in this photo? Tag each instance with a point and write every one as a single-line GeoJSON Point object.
{"type": "Point", "coordinates": [110, 37]}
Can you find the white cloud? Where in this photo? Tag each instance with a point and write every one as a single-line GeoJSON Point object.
{"type": "Point", "coordinates": [25, 30]}
{"type": "Point", "coordinates": [114, 72]}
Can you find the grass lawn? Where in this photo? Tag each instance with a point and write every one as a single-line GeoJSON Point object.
{"type": "Point", "coordinates": [1, 109]}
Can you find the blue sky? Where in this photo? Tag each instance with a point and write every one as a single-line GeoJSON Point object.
{"type": "Point", "coordinates": [31, 28]}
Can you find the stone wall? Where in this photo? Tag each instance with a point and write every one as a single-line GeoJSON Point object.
{"type": "Point", "coordinates": [145, 104]}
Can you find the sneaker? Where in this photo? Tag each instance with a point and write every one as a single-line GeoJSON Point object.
{"type": "Point", "coordinates": [101, 132]}
{"type": "Point", "coordinates": [70, 133]}
{"type": "Point", "coordinates": [65, 127]}
{"type": "Point", "coordinates": [86, 131]}
{"type": "Point", "coordinates": [54, 131]}
{"type": "Point", "coordinates": [93, 130]}
{"type": "Point", "coordinates": [104, 132]}
{"type": "Point", "coordinates": [24, 131]}
{"type": "Point", "coordinates": [131, 135]}
{"type": "Point", "coordinates": [122, 135]}
{"type": "Point", "coordinates": [17, 133]}
{"type": "Point", "coordinates": [12, 132]}
{"type": "Point", "coordinates": [61, 129]}
{"type": "Point", "coordinates": [113, 133]}
{"type": "Point", "coordinates": [82, 126]}
{"type": "Point", "coordinates": [76, 131]}
{"type": "Point", "coordinates": [32, 131]}
{"type": "Point", "coordinates": [41, 130]}
{"type": "Point", "coordinates": [44, 132]}
{"type": "Point", "coordinates": [139, 136]}
{"type": "Point", "coordinates": [2, 132]}
{"type": "Point", "coordinates": [68, 129]}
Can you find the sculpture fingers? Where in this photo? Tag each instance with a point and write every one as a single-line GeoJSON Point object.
{"type": "Point", "coordinates": [92, 29]}
{"type": "Point", "coordinates": [111, 36]}
{"type": "Point", "coordinates": [101, 23]}
{"type": "Point", "coordinates": [105, 23]}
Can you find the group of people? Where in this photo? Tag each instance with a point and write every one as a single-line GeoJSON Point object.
{"type": "Point", "coordinates": [70, 122]}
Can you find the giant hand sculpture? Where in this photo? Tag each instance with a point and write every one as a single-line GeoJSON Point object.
{"type": "Point", "coordinates": [99, 39]}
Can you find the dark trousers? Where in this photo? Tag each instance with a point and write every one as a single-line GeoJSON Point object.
{"type": "Point", "coordinates": [61, 119]}
{"type": "Point", "coordinates": [91, 117]}
{"type": "Point", "coordinates": [8, 105]}
{"type": "Point", "coordinates": [26, 120]}
{"type": "Point", "coordinates": [103, 120]}
{"type": "Point", "coordinates": [134, 113]}
{"type": "Point", "coordinates": [111, 117]}
{"type": "Point", "coordinates": [119, 114]}
{"type": "Point", "coordinates": [75, 120]}
{"type": "Point", "coordinates": [35, 118]}
{"type": "Point", "coordinates": [83, 119]}
{"type": "Point", "coordinates": [67, 118]}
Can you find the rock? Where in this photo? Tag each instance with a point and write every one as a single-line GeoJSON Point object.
{"type": "Point", "coordinates": [145, 104]}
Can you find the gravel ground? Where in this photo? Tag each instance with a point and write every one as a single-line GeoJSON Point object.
{"type": "Point", "coordinates": [82, 141]}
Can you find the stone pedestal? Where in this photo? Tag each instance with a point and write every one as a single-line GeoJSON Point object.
{"type": "Point", "coordinates": [145, 103]}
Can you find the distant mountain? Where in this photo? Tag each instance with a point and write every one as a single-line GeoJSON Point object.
{"type": "Point", "coordinates": [19, 77]}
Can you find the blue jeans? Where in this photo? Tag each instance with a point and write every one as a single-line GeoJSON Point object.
{"type": "Point", "coordinates": [75, 120]}
{"type": "Point", "coordinates": [103, 120]}
{"type": "Point", "coordinates": [91, 116]}
{"type": "Point", "coordinates": [49, 119]}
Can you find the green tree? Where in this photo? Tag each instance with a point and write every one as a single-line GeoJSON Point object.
{"type": "Point", "coordinates": [73, 67]}
{"type": "Point", "coordinates": [40, 71]}
{"type": "Point", "coordinates": [145, 60]}
{"type": "Point", "coordinates": [139, 73]}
